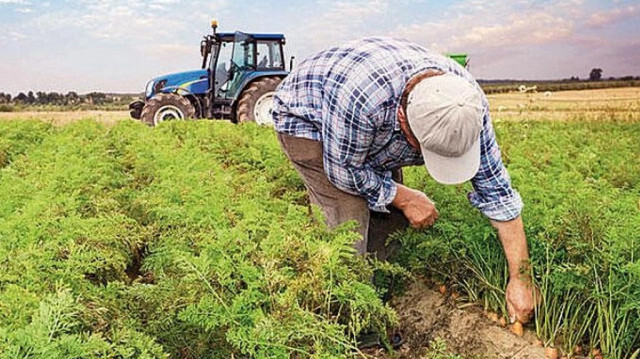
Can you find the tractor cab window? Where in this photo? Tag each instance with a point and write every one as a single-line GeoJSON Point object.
{"type": "Point", "coordinates": [223, 66]}
{"type": "Point", "coordinates": [269, 55]}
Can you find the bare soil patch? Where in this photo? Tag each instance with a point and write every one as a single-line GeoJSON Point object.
{"type": "Point", "coordinates": [426, 315]}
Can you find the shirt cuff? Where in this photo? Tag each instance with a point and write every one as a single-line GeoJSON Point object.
{"type": "Point", "coordinates": [387, 193]}
{"type": "Point", "coordinates": [501, 209]}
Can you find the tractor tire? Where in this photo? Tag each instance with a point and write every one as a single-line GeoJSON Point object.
{"type": "Point", "coordinates": [166, 106]}
{"type": "Point", "coordinates": [256, 102]}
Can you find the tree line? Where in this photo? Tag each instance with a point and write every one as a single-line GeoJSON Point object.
{"type": "Point", "coordinates": [60, 99]}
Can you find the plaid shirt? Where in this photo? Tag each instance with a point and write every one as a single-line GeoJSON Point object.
{"type": "Point", "coordinates": [348, 96]}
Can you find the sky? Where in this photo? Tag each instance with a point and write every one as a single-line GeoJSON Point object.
{"type": "Point", "coordinates": [118, 45]}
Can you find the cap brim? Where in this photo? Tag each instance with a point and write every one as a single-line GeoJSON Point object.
{"type": "Point", "coordinates": [453, 170]}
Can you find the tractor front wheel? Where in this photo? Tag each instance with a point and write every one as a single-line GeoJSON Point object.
{"type": "Point", "coordinates": [256, 101]}
{"type": "Point", "coordinates": [165, 107]}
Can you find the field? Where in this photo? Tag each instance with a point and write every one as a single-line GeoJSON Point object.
{"type": "Point", "coordinates": [195, 240]}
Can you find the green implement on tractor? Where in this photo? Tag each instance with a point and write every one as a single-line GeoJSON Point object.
{"type": "Point", "coordinates": [462, 59]}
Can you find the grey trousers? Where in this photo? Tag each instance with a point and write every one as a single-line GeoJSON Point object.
{"type": "Point", "coordinates": [339, 206]}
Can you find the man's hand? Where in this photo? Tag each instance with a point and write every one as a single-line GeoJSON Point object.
{"type": "Point", "coordinates": [416, 206]}
{"type": "Point", "coordinates": [522, 297]}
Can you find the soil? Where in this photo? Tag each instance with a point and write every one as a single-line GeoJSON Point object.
{"type": "Point", "coordinates": [425, 315]}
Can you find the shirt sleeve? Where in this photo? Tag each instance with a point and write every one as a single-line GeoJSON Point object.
{"type": "Point", "coordinates": [493, 194]}
{"type": "Point", "coordinates": [348, 133]}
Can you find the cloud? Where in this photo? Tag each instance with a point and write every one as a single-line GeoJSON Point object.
{"type": "Point", "coordinates": [485, 25]}
{"type": "Point", "coordinates": [14, 2]}
{"type": "Point", "coordinates": [127, 21]}
{"type": "Point", "coordinates": [342, 21]}
{"type": "Point", "coordinates": [609, 17]}
{"type": "Point", "coordinates": [172, 49]}
{"type": "Point", "coordinates": [7, 34]}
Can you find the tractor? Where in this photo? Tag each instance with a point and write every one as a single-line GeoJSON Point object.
{"type": "Point", "coordinates": [239, 75]}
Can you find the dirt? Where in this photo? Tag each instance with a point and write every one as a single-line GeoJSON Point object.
{"type": "Point", "coordinates": [425, 315]}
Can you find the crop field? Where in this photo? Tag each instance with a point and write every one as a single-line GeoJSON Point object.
{"type": "Point", "coordinates": [196, 240]}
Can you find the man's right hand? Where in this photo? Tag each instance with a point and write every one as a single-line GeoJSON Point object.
{"type": "Point", "coordinates": [416, 206]}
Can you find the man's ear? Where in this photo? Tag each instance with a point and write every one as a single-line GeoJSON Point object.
{"type": "Point", "coordinates": [401, 115]}
{"type": "Point", "coordinates": [406, 129]}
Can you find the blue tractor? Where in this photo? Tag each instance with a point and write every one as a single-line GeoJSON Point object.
{"type": "Point", "coordinates": [239, 75]}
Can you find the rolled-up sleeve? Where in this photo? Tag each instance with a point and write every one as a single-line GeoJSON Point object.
{"type": "Point", "coordinates": [493, 194]}
{"type": "Point", "coordinates": [347, 135]}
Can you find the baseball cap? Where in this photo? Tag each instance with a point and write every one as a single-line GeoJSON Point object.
{"type": "Point", "coordinates": [445, 114]}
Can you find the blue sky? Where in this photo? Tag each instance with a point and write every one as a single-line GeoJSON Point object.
{"type": "Point", "coordinates": [117, 45]}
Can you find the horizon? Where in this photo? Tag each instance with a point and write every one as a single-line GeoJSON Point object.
{"type": "Point", "coordinates": [116, 46]}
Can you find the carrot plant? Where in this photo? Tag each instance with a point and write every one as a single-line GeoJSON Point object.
{"type": "Point", "coordinates": [580, 182]}
{"type": "Point", "coordinates": [195, 240]}
{"type": "Point", "coordinates": [191, 240]}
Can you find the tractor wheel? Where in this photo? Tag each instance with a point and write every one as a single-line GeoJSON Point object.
{"type": "Point", "coordinates": [165, 107]}
{"type": "Point", "coordinates": [256, 102]}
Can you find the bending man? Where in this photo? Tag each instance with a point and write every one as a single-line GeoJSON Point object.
{"type": "Point", "coordinates": [350, 117]}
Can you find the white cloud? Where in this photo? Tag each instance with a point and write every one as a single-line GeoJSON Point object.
{"type": "Point", "coordinates": [14, 2]}
{"type": "Point", "coordinates": [483, 25]}
{"type": "Point", "coordinates": [127, 21]}
{"type": "Point", "coordinates": [615, 15]}
{"type": "Point", "coordinates": [171, 49]}
{"type": "Point", "coordinates": [343, 21]}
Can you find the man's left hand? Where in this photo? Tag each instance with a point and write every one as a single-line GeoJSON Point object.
{"type": "Point", "coordinates": [522, 297]}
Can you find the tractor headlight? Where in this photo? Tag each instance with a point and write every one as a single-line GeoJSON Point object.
{"type": "Point", "coordinates": [148, 90]}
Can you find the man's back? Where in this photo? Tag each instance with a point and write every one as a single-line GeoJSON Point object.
{"type": "Point", "coordinates": [367, 76]}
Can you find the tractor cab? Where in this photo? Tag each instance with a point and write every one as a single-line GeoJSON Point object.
{"type": "Point", "coordinates": [235, 59]}
{"type": "Point", "coordinates": [237, 79]}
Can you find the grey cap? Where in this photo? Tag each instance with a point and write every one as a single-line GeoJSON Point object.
{"type": "Point", "coordinates": [445, 114]}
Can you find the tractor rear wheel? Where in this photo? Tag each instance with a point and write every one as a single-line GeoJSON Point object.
{"type": "Point", "coordinates": [165, 107]}
{"type": "Point", "coordinates": [256, 101]}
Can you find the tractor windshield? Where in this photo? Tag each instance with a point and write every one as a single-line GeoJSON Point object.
{"type": "Point", "coordinates": [243, 51]}
{"type": "Point", "coordinates": [242, 61]}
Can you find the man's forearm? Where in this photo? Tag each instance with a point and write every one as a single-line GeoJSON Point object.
{"type": "Point", "coordinates": [514, 242]}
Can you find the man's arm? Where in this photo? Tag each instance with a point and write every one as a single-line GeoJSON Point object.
{"type": "Point", "coordinates": [494, 196]}
{"type": "Point", "coordinates": [521, 295]}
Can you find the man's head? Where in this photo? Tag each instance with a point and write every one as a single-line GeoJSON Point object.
{"type": "Point", "coordinates": [444, 112]}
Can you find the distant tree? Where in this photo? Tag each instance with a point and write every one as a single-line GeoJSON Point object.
{"type": "Point", "coordinates": [96, 98]}
{"type": "Point", "coordinates": [41, 98]}
{"type": "Point", "coordinates": [595, 75]}
{"type": "Point", "coordinates": [21, 98]}
{"type": "Point", "coordinates": [71, 98]}
{"type": "Point", "coordinates": [30, 97]}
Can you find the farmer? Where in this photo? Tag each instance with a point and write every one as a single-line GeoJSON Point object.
{"type": "Point", "coordinates": [349, 118]}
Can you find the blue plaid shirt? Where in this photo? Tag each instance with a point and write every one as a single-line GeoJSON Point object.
{"type": "Point", "coordinates": [348, 97]}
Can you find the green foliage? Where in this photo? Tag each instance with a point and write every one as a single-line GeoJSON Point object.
{"type": "Point", "coordinates": [580, 182]}
{"type": "Point", "coordinates": [190, 240]}
{"type": "Point", "coordinates": [195, 240]}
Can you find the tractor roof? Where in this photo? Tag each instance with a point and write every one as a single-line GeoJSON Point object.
{"type": "Point", "coordinates": [228, 36]}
